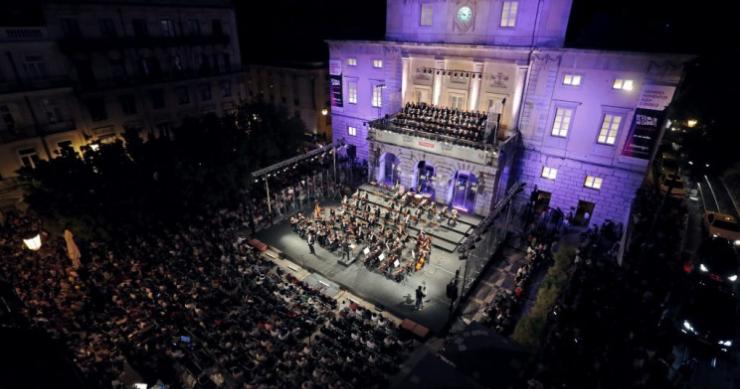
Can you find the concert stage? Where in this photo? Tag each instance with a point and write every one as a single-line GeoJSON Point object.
{"type": "Point", "coordinates": [398, 298]}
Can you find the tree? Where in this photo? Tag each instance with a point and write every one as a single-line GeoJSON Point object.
{"type": "Point", "coordinates": [146, 182]}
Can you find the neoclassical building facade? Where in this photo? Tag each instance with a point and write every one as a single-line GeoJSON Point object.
{"type": "Point", "coordinates": [580, 125]}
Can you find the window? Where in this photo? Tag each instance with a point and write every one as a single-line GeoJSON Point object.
{"type": "Point", "coordinates": [352, 131]}
{"type": "Point", "coordinates": [609, 129]}
{"type": "Point", "coordinates": [226, 88]}
{"type": "Point", "coordinates": [457, 101]}
{"type": "Point", "coordinates": [183, 97]}
{"type": "Point", "coordinates": [8, 120]}
{"type": "Point", "coordinates": [592, 182]}
{"type": "Point", "coordinates": [29, 158]}
{"type": "Point", "coordinates": [118, 69]}
{"type": "Point", "coordinates": [426, 15]}
{"type": "Point", "coordinates": [64, 145]}
{"type": "Point", "coordinates": [34, 67]}
{"type": "Point", "coordinates": [140, 28]}
{"type": "Point", "coordinates": [377, 96]}
{"type": "Point", "coordinates": [623, 84]}
{"type": "Point", "coordinates": [96, 107]}
{"type": "Point", "coordinates": [216, 27]}
{"type": "Point", "coordinates": [193, 27]}
{"type": "Point", "coordinates": [549, 172]}
{"type": "Point", "coordinates": [128, 104]}
{"type": "Point", "coordinates": [508, 13]}
{"type": "Point", "coordinates": [352, 91]}
{"type": "Point", "coordinates": [168, 27]}
{"type": "Point", "coordinates": [157, 98]}
{"type": "Point", "coordinates": [205, 92]}
{"type": "Point", "coordinates": [377, 63]}
{"type": "Point", "coordinates": [52, 111]}
{"type": "Point", "coordinates": [561, 124]}
{"type": "Point", "coordinates": [572, 79]}
{"type": "Point", "coordinates": [351, 61]}
{"type": "Point", "coordinates": [70, 28]}
{"type": "Point", "coordinates": [107, 27]}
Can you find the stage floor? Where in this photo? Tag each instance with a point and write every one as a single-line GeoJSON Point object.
{"type": "Point", "coordinates": [397, 298]}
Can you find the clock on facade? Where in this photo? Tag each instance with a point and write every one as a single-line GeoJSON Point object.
{"type": "Point", "coordinates": [464, 14]}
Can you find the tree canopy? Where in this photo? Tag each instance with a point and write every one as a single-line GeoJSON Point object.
{"type": "Point", "coordinates": [144, 182]}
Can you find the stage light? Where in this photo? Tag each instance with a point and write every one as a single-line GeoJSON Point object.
{"type": "Point", "coordinates": [33, 243]}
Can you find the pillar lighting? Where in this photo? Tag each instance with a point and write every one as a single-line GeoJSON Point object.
{"type": "Point", "coordinates": [33, 243]}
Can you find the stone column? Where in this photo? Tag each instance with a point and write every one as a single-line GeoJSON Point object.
{"type": "Point", "coordinates": [404, 78]}
{"type": "Point", "coordinates": [474, 91]}
{"type": "Point", "coordinates": [439, 65]}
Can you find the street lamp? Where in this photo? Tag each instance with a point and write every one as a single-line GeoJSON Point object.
{"type": "Point", "coordinates": [324, 112]}
{"type": "Point", "coordinates": [692, 123]}
{"type": "Point", "coordinates": [33, 243]}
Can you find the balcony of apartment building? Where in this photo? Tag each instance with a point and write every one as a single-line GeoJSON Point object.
{"type": "Point", "coordinates": [19, 34]}
{"type": "Point", "coordinates": [150, 73]}
{"type": "Point", "coordinates": [79, 43]}
{"type": "Point", "coordinates": [34, 84]}
{"type": "Point", "coordinates": [12, 133]}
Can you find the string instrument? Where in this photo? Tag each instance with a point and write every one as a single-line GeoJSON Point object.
{"type": "Point", "coordinates": [420, 263]}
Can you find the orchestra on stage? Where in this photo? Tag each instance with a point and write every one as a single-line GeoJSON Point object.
{"type": "Point", "coordinates": [377, 233]}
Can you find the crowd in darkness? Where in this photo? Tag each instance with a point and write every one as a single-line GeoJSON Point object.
{"type": "Point", "coordinates": [604, 329]}
{"type": "Point", "coordinates": [448, 122]}
{"type": "Point", "coordinates": [194, 303]}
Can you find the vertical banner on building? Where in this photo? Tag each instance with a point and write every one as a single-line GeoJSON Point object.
{"type": "Point", "coordinates": [335, 83]}
{"type": "Point", "coordinates": [645, 127]}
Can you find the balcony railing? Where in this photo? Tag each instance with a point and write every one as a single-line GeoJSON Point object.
{"type": "Point", "coordinates": [161, 77]}
{"type": "Point", "coordinates": [386, 124]}
{"type": "Point", "coordinates": [34, 84]}
{"type": "Point", "coordinates": [14, 34]}
{"type": "Point", "coordinates": [85, 44]}
{"type": "Point", "coordinates": [26, 132]}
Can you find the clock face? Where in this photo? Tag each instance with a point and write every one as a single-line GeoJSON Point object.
{"type": "Point", "coordinates": [464, 14]}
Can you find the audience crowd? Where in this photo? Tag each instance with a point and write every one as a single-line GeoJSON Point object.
{"type": "Point", "coordinates": [193, 303]}
{"type": "Point", "coordinates": [604, 332]}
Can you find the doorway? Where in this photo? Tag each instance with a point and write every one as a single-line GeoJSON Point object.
{"type": "Point", "coordinates": [584, 212]}
{"type": "Point", "coordinates": [424, 178]}
{"type": "Point", "coordinates": [541, 201]}
{"type": "Point", "coordinates": [464, 187]}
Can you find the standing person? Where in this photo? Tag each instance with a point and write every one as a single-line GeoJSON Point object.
{"type": "Point", "coordinates": [420, 298]}
{"type": "Point", "coordinates": [310, 243]}
{"type": "Point", "coordinates": [345, 249]}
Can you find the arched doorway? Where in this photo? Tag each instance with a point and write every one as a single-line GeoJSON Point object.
{"type": "Point", "coordinates": [463, 188]}
{"type": "Point", "coordinates": [389, 169]}
{"type": "Point", "coordinates": [423, 178]}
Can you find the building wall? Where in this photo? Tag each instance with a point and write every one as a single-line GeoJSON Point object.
{"type": "Point", "coordinates": [579, 154]}
{"type": "Point", "coordinates": [536, 23]}
{"type": "Point", "coordinates": [88, 75]}
{"type": "Point", "coordinates": [301, 89]}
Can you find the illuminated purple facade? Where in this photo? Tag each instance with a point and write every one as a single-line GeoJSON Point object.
{"type": "Point", "coordinates": [579, 124]}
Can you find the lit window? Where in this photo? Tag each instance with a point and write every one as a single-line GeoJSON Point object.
{"type": "Point", "coordinates": [593, 182]}
{"type": "Point", "coordinates": [549, 172]}
{"type": "Point", "coordinates": [508, 13]}
{"type": "Point", "coordinates": [377, 63]}
{"type": "Point", "coordinates": [561, 125]}
{"type": "Point", "coordinates": [609, 129]}
{"type": "Point", "coordinates": [352, 91]}
{"type": "Point", "coordinates": [572, 79]}
{"type": "Point", "coordinates": [29, 158]}
{"type": "Point", "coordinates": [426, 15]}
{"type": "Point", "coordinates": [377, 96]}
{"type": "Point", "coordinates": [623, 84]}
{"type": "Point", "coordinates": [352, 131]}
{"type": "Point", "coordinates": [351, 61]}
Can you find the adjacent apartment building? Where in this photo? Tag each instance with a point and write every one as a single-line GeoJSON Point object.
{"type": "Point", "coordinates": [586, 120]}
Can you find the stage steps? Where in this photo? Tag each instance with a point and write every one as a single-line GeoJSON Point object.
{"type": "Point", "coordinates": [443, 236]}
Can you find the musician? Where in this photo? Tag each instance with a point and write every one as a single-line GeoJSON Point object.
{"type": "Point", "coordinates": [453, 218]}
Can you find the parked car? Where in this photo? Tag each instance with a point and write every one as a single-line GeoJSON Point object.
{"type": "Point", "coordinates": [708, 318]}
{"type": "Point", "coordinates": [716, 264]}
{"type": "Point", "coordinates": [721, 225]}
